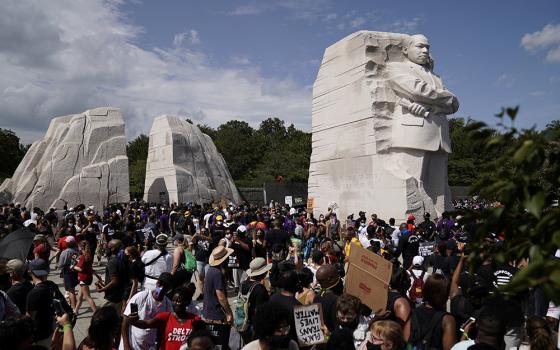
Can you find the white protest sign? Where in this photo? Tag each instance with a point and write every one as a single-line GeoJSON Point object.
{"type": "Point", "coordinates": [288, 200]}
{"type": "Point", "coordinates": [308, 320]}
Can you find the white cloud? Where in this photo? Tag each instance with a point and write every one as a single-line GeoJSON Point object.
{"type": "Point", "coordinates": [544, 38]}
{"type": "Point", "coordinates": [247, 10]}
{"type": "Point", "coordinates": [64, 65]}
{"type": "Point", "coordinates": [505, 80]}
{"type": "Point", "coordinates": [190, 36]}
{"type": "Point", "coordinates": [553, 55]}
{"type": "Point", "coordinates": [547, 38]}
{"type": "Point", "coordinates": [406, 25]}
{"type": "Point", "coordinates": [241, 60]}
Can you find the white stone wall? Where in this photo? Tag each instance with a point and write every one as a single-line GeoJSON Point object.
{"type": "Point", "coordinates": [81, 160]}
{"type": "Point", "coordinates": [188, 163]}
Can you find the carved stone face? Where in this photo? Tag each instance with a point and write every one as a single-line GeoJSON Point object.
{"type": "Point", "coordinates": [419, 50]}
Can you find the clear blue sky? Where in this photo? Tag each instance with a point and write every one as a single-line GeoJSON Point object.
{"type": "Point", "coordinates": [219, 60]}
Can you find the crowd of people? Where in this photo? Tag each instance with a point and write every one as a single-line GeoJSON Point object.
{"type": "Point", "coordinates": [171, 271]}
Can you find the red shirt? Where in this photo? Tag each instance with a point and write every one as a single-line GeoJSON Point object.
{"type": "Point", "coordinates": [171, 332]}
{"type": "Point", "coordinates": [62, 243]}
{"type": "Point", "coordinates": [43, 251]}
{"type": "Point", "coordinates": [86, 275]}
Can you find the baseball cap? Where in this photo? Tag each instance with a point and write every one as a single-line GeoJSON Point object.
{"type": "Point", "coordinates": [161, 239]}
{"type": "Point", "coordinates": [69, 239]}
{"type": "Point", "coordinates": [39, 267]}
{"type": "Point", "coordinates": [417, 261]}
{"type": "Point", "coordinates": [219, 218]}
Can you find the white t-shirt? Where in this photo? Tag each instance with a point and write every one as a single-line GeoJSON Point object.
{"type": "Point", "coordinates": [148, 307]}
{"type": "Point", "coordinates": [162, 264]}
{"type": "Point", "coordinates": [463, 345]}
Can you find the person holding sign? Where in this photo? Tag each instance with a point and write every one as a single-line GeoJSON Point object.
{"type": "Point", "coordinates": [272, 329]}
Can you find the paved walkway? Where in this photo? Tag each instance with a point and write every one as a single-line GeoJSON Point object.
{"type": "Point", "coordinates": [85, 314]}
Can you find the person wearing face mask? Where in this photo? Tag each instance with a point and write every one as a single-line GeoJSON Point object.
{"type": "Point", "coordinates": [149, 303]}
{"type": "Point", "coordinates": [272, 329]}
{"type": "Point", "coordinates": [348, 317]}
{"type": "Point", "coordinates": [384, 335]}
{"type": "Point", "coordinates": [173, 327]}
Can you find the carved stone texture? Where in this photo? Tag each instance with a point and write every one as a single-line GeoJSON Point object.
{"type": "Point", "coordinates": [185, 166]}
{"type": "Point", "coordinates": [81, 159]}
{"type": "Point", "coordinates": [353, 125]}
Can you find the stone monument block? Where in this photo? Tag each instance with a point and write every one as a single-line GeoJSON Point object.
{"type": "Point", "coordinates": [362, 133]}
{"type": "Point", "coordinates": [185, 166]}
{"type": "Point", "coordinates": [81, 159]}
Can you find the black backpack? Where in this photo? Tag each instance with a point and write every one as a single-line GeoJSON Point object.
{"type": "Point", "coordinates": [421, 334]}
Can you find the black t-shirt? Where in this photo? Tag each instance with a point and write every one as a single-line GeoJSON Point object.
{"type": "Point", "coordinates": [258, 296]}
{"type": "Point", "coordinates": [328, 304]}
{"type": "Point", "coordinates": [40, 300]}
{"type": "Point", "coordinates": [243, 256]}
{"type": "Point", "coordinates": [277, 236]}
{"type": "Point", "coordinates": [18, 294]}
{"type": "Point", "coordinates": [217, 233]}
{"type": "Point", "coordinates": [288, 303]}
{"type": "Point", "coordinates": [115, 267]}
{"type": "Point", "coordinates": [201, 249]}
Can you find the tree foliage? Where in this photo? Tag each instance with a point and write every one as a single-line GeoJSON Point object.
{"type": "Point", "coordinates": [526, 219]}
{"type": "Point", "coordinates": [137, 153]}
{"type": "Point", "coordinates": [255, 156]}
{"type": "Point", "coordinates": [11, 153]}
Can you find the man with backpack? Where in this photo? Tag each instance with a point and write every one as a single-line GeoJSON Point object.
{"type": "Point", "coordinates": [443, 227]}
{"type": "Point", "coordinates": [41, 304]}
{"type": "Point", "coordinates": [156, 261]}
{"type": "Point", "coordinates": [252, 294]}
{"type": "Point", "coordinates": [418, 276]}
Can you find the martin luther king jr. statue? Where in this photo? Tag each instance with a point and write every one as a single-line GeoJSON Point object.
{"type": "Point", "coordinates": [420, 130]}
{"type": "Point", "coordinates": [380, 131]}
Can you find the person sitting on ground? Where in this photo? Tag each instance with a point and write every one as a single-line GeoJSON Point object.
{"type": "Point", "coordinates": [148, 303]}
{"type": "Point", "coordinates": [172, 327]}
{"type": "Point", "coordinates": [385, 335]}
{"type": "Point", "coordinates": [272, 328]}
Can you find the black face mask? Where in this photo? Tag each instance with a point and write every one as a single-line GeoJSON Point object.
{"type": "Point", "coordinates": [349, 325]}
{"type": "Point", "coordinates": [279, 341]}
{"type": "Point", "coordinates": [371, 346]}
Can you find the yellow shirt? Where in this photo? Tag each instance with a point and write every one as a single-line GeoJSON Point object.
{"type": "Point", "coordinates": [355, 241]}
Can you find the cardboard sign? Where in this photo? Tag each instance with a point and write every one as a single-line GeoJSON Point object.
{"type": "Point", "coordinates": [368, 277]}
{"type": "Point", "coordinates": [308, 320]}
{"type": "Point", "coordinates": [288, 200]}
{"type": "Point", "coordinates": [310, 203]}
{"type": "Point", "coordinates": [221, 334]}
{"type": "Point", "coordinates": [426, 248]}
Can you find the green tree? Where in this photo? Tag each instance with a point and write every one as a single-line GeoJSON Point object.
{"type": "Point", "coordinates": [527, 221]}
{"type": "Point", "coordinates": [11, 152]}
{"type": "Point", "coordinates": [137, 153]}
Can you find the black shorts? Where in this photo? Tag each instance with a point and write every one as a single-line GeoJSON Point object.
{"type": "Point", "coordinates": [70, 280]}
